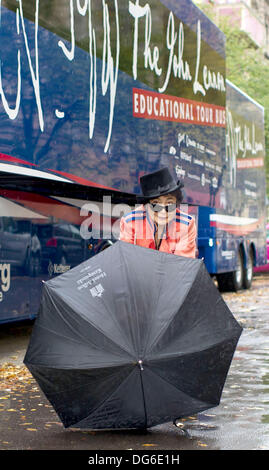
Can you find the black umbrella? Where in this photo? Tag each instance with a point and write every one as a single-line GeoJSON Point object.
{"type": "Point", "coordinates": [132, 338]}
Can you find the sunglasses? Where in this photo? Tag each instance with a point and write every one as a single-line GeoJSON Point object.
{"type": "Point", "coordinates": [158, 207]}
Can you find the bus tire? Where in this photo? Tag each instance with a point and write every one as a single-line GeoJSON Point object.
{"type": "Point", "coordinates": [232, 281]}
{"type": "Point", "coordinates": [248, 271]}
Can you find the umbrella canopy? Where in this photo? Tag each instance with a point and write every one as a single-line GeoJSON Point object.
{"type": "Point", "coordinates": [132, 338]}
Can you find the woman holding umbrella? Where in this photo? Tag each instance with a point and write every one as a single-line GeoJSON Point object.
{"type": "Point", "coordinates": [158, 223]}
{"type": "Point", "coordinates": [152, 341]}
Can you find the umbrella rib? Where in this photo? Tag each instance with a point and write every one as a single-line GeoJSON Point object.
{"type": "Point", "coordinates": [100, 365]}
{"type": "Point", "coordinates": [118, 326]}
{"type": "Point", "coordinates": [177, 354]}
{"type": "Point", "coordinates": [163, 330]}
{"type": "Point", "coordinates": [87, 320]}
{"type": "Point", "coordinates": [104, 401]}
{"type": "Point", "coordinates": [75, 387]}
{"type": "Point", "coordinates": [178, 389]}
{"type": "Point", "coordinates": [114, 319]}
{"type": "Point", "coordinates": [67, 337]}
{"type": "Point", "coordinates": [144, 399]}
{"type": "Point", "coordinates": [130, 283]}
{"type": "Point", "coordinates": [154, 309]}
{"type": "Point", "coordinates": [59, 334]}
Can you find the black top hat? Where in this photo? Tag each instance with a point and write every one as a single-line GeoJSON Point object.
{"type": "Point", "coordinates": [158, 183]}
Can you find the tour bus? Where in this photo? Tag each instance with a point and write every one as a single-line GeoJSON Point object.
{"type": "Point", "coordinates": [238, 220]}
{"type": "Point", "coordinates": [95, 94]}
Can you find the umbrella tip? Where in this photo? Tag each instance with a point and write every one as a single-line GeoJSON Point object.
{"type": "Point", "coordinates": [180, 427]}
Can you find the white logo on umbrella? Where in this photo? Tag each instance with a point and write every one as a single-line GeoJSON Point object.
{"type": "Point", "coordinates": [97, 291]}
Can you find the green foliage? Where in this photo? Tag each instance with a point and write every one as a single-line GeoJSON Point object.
{"type": "Point", "coordinates": [247, 68]}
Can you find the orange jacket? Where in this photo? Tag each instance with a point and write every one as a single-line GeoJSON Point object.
{"type": "Point", "coordinates": [179, 237]}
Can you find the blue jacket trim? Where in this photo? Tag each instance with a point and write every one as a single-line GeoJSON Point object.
{"type": "Point", "coordinates": [135, 217]}
{"type": "Point", "coordinates": [182, 221]}
{"type": "Point", "coordinates": [181, 214]}
{"type": "Point", "coordinates": [134, 212]}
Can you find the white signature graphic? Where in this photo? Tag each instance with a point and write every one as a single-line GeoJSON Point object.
{"type": "Point", "coordinates": [181, 69]}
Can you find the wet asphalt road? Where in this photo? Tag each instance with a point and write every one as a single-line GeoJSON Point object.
{"type": "Point", "coordinates": [240, 422]}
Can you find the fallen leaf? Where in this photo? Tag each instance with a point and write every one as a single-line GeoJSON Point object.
{"type": "Point", "coordinates": [201, 444]}
{"type": "Point", "coordinates": [12, 375]}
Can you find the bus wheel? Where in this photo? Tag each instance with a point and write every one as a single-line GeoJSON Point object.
{"type": "Point", "coordinates": [232, 281]}
{"type": "Point", "coordinates": [248, 271]}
